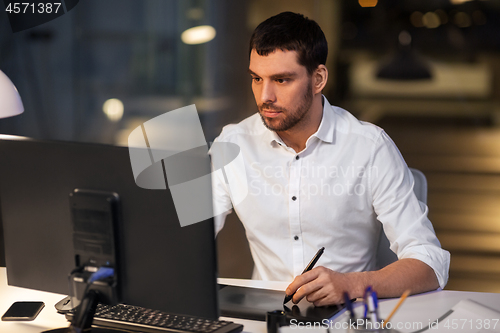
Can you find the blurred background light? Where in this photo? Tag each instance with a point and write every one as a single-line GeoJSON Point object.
{"type": "Point", "coordinates": [198, 35]}
{"type": "Point", "coordinates": [431, 20]}
{"type": "Point", "coordinates": [462, 20]}
{"type": "Point", "coordinates": [195, 13]}
{"type": "Point", "coordinates": [416, 19]}
{"type": "Point", "coordinates": [443, 17]}
{"type": "Point", "coordinates": [368, 3]}
{"type": "Point", "coordinates": [113, 109]}
{"type": "Point", "coordinates": [404, 38]}
{"type": "Point", "coordinates": [458, 2]}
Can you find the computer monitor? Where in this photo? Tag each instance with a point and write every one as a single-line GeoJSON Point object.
{"type": "Point", "coordinates": [162, 265]}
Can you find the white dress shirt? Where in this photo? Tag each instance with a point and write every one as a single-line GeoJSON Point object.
{"type": "Point", "coordinates": [349, 177]}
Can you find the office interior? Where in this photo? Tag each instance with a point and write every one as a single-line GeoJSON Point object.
{"type": "Point", "coordinates": [99, 71]}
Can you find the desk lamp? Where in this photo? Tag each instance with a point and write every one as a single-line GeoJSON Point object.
{"type": "Point", "coordinates": [10, 101]}
{"type": "Point", "coordinates": [10, 105]}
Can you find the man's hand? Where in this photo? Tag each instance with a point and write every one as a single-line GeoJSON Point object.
{"type": "Point", "coordinates": [321, 286]}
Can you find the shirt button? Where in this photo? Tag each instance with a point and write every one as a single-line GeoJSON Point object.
{"type": "Point", "coordinates": [294, 198]}
{"type": "Point", "coordinates": [297, 157]}
{"type": "Point", "coordinates": [296, 237]}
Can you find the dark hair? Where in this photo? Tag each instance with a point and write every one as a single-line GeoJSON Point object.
{"type": "Point", "coordinates": [291, 32]}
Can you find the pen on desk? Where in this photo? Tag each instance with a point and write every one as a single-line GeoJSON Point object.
{"type": "Point", "coordinates": [348, 305]}
{"type": "Point", "coordinates": [310, 266]}
{"type": "Point", "coordinates": [373, 305]}
{"type": "Point", "coordinates": [365, 301]}
{"type": "Point", "coordinates": [401, 300]}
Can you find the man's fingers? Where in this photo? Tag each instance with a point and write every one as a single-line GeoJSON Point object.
{"type": "Point", "coordinates": [300, 280]}
{"type": "Point", "coordinates": [320, 286]}
{"type": "Point", "coordinates": [305, 290]}
{"type": "Point", "coordinates": [316, 295]}
{"type": "Point", "coordinates": [321, 302]}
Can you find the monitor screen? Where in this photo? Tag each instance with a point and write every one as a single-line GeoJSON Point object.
{"type": "Point", "coordinates": [162, 265]}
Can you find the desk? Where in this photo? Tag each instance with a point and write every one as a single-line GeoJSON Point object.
{"type": "Point", "coordinates": [47, 319]}
{"type": "Point", "coordinates": [417, 308]}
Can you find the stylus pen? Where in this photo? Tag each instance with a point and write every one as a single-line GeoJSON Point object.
{"type": "Point", "coordinates": [310, 266]}
{"type": "Point", "coordinates": [348, 305]}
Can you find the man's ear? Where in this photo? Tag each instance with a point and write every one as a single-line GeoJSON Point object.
{"type": "Point", "coordinates": [320, 76]}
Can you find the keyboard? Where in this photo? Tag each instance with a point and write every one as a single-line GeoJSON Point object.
{"type": "Point", "coordinates": [135, 318]}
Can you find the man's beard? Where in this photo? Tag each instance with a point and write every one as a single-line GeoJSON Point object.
{"type": "Point", "coordinates": [291, 118]}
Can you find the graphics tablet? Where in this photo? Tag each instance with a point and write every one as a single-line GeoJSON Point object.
{"type": "Point", "coordinates": [253, 304]}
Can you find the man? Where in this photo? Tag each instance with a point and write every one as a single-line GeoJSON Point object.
{"type": "Point", "coordinates": [316, 176]}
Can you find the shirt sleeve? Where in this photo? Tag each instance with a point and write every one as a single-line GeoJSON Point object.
{"type": "Point", "coordinates": [403, 217]}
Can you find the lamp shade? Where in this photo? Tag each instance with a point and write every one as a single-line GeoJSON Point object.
{"type": "Point", "coordinates": [10, 101]}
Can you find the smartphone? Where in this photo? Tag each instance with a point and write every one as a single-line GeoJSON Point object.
{"type": "Point", "coordinates": [24, 311]}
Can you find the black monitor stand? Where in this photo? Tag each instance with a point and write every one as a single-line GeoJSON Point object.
{"type": "Point", "coordinates": [84, 315]}
{"type": "Point", "coordinates": [95, 216]}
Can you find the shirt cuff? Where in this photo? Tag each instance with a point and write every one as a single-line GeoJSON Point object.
{"type": "Point", "coordinates": [436, 258]}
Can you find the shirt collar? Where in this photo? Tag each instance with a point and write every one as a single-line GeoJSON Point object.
{"type": "Point", "coordinates": [326, 128]}
{"type": "Point", "coordinates": [325, 131]}
{"type": "Point", "coordinates": [271, 137]}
